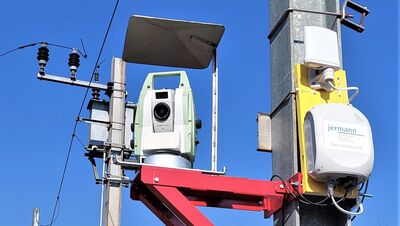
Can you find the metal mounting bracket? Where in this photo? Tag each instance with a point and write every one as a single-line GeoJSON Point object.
{"type": "Point", "coordinates": [69, 81]}
{"type": "Point", "coordinates": [174, 200]}
{"type": "Point", "coordinates": [364, 11]}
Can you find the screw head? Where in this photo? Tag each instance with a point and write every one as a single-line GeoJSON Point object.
{"type": "Point", "coordinates": [156, 179]}
{"type": "Point", "coordinates": [281, 186]}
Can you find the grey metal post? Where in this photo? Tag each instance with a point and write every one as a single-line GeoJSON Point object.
{"type": "Point", "coordinates": [116, 142]}
{"type": "Point", "coordinates": [35, 217]}
{"type": "Point", "coordinates": [286, 50]}
{"type": "Point", "coordinates": [214, 148]}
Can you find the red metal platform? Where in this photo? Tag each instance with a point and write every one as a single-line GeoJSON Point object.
{"type": "Point", "coordinates": [173, 194]}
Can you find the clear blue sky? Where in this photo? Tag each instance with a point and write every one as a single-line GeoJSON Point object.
{"type": "Point", "coordinates": [37, 117]}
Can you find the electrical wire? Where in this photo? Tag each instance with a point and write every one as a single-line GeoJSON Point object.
{"type": "Point", "coordinates": [80, 141]}
{"type": "Point", "coordinates": [53, 217]}
{"type": "Point", "coordinates": [361, 187]}
{"type": "Point", "coordinates": [58, 212]}
{"type": "Point", "coordinates": [362, 199]}
{"type": "Point", "coordinates": [303, 199]}
{"type": "Point", "coordinates": [18, 48]}
{"type": "Point", "coordinates": [359, 204]}
{"type": "Point", "coordinates": [84, 55]}
{"type": "Point", "coordinates": [356, 90]}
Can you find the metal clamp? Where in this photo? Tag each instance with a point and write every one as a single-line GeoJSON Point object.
{"type": "Point", "coordinates": [279, 24]}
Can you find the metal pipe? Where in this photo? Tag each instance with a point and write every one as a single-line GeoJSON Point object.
{"type": "Point", "coordinates": [214, 146]}
{"type": "Point", "coordinates": [102, 189]}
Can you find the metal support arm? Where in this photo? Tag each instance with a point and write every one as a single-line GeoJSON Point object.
{"type": "Point", "coordinates": [172, 194]}
{"type": "Point", "coordinates": [68, 81]}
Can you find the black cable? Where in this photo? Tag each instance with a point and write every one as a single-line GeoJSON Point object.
{"type": "Point", "coordinates": [84, 49]}
{"type": "Point", "coordinates": [84, 55]}
{"type": "Point", "coordinates": [67, 47]}
{"type": "Point", "coordinates": [362, 199]}
{"type": "Point", "coordinates": [280, 105]}
{"type": "Point", "coordinates": [18, 48]}
{"type": "Point", "coordinates": [53, 218]}
{"type": "Point", "coordinates": [58, 212]}
{"type": "Point", "coordinates": [284, 184]}
{"type": "Point", "coordinates": [361, 187]}
{"type": "Point", "coordinates": [303, 199]}
{"type": "Point", "coordinates": [80, 141]}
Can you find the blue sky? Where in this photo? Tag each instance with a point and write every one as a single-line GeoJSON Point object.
{"type": "Point", "coordinates": [37, 117]}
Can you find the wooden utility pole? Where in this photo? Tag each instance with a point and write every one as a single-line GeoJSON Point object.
{"type": "Point", "coordinates": [287, 19]}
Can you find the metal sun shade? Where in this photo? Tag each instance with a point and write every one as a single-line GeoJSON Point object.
{"type": "Point", "coordinates": [173, 43]}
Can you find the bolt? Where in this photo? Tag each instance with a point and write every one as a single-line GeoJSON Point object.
{"type": "Point", "coordinates": [156, 179]}
{"type": "Point", "coordinates": [294, 183]}
{"type": "Point", "coordinates": [281, 186]}
{"type": "Point", "coordinates": [260, 203]}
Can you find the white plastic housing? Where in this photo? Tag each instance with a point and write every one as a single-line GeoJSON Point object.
{"type": "Point", "coordinates": [159, 135]}
{"type": "Point", "coordinates": [338, 143]}
{"type": "Point", "coordinates": [321, 48]}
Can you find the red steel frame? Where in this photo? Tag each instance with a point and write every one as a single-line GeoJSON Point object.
{"type": "Point", "coordinates": [173, 194]}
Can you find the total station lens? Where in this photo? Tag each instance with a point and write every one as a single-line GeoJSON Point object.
{"type": "Point", "coordinates": [161, 111]}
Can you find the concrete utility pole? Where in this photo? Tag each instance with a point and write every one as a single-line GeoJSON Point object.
{"type": "Point", "coordinates": [116, 143]}
{"type": "Point", "coordinates": [287, 21]}
{"type": "Point", "coordinates": [35, 217]}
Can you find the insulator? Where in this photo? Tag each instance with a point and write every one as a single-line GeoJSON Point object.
{"type": "Point", "coordinates": [96, 76]}
{"type": "Point", "coordinates": [43, 57]}
{"type": "Point", "coordinates": [95, 94]}
{"type": "Point", "coordinates": [73, 63]}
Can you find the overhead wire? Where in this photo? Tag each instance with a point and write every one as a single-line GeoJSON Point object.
{"type": "Point", "coordinates": [53, 217]}
{"type": "Point", "coordinates": [18, 48]}
{"type": "Point", "coordinates": [84, 55]}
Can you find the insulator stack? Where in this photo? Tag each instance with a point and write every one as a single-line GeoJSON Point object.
{"type": "Point", "coordinates": [73, 63]}
{"type": "Point", "coordinates": [43, 57]}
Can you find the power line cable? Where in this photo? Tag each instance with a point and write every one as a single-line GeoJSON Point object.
{"type": "Point", "coordinates": [84, 55]}
{"type": "Point", "coordinates": [53, 218]}
{"type": "Point", "coordinates": [18, 48]}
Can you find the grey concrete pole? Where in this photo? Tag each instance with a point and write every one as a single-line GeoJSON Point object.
{"type": "Point", "coordinates": [116, 142]}
{"type": "Point", "coordinates": [286, 50]}
{"type": "Point", "coordinates": [35, 217]}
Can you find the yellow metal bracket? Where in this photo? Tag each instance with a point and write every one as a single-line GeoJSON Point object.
{"type": "Point", "coordinates": [306, 98]}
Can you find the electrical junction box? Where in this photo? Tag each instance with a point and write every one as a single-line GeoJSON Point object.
{"type": "Point", "coordinates": [339, 145]}
{"type": "Point", "coordinates": [99, 124]}
{"type": "Point", "coordinates": [321, 48]}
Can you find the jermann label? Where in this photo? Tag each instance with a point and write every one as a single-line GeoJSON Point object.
{"type": "Point", "coordinates": [341, 129]}
{"type": "Point", "coordinates": [345, 136]}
